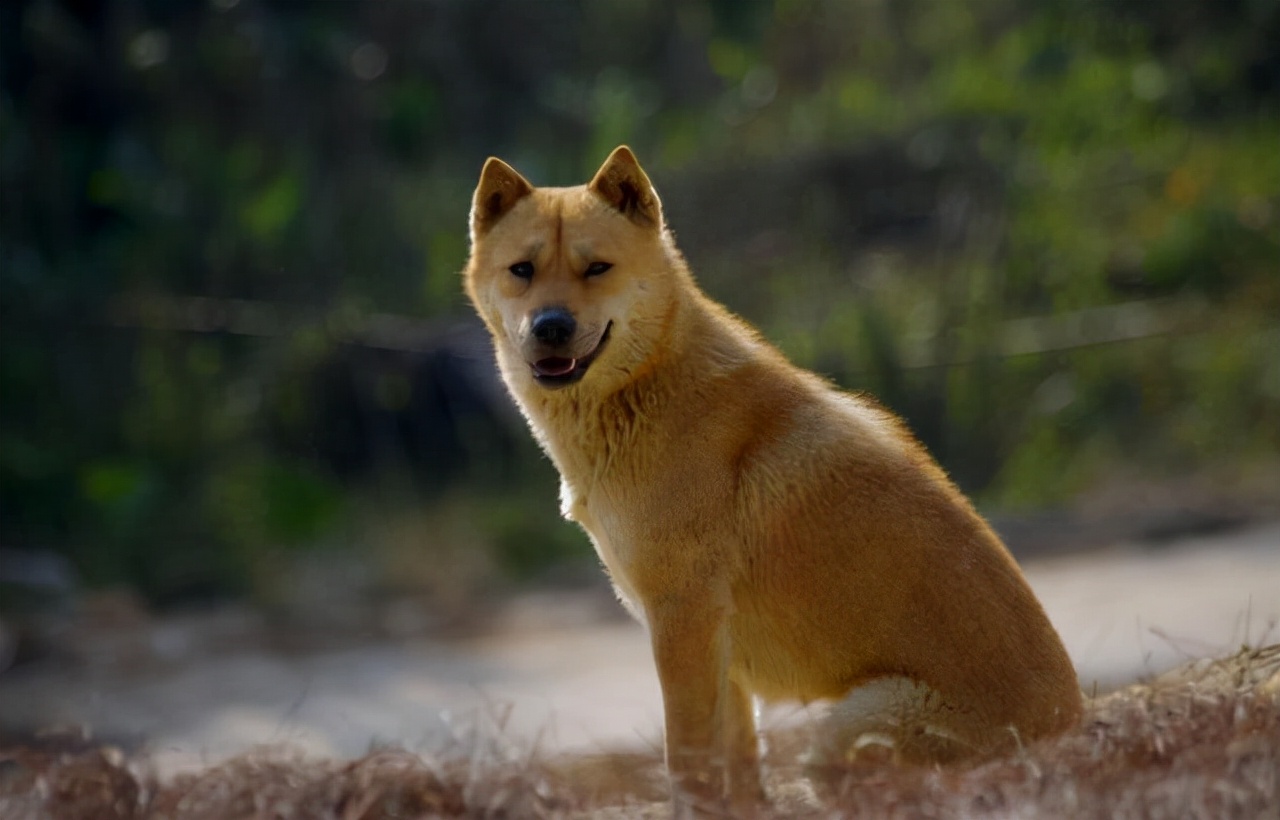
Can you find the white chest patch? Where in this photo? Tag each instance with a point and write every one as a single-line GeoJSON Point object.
{"type": "Point", "coordinates": [609, 537]}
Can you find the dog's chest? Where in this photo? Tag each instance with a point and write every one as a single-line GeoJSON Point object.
{"type": "Point", "coordinates": [611, 536]}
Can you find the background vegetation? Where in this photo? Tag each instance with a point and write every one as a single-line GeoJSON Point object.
{"type": "Point", "coordinates": [231, 326]}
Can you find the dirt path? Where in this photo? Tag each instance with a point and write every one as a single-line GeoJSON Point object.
{"type": "Point", "coordinates": [1124, 613]}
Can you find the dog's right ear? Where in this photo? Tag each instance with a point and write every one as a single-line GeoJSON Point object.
{"type": "Point", "coordinates": [501, 187]}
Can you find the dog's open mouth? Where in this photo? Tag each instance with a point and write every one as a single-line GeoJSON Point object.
{"type": "Point", "coordinates": [555, 371]}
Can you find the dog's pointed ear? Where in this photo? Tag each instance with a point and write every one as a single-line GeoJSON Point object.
{"type": "Point", "coordinates": [622, 183]}
{"type": "Point", "coordinates": [501, 187]}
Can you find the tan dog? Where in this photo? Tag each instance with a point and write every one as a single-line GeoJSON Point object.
{"type": "Point", "coordinates": [780, 538]}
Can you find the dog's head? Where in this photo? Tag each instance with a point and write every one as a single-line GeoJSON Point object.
{"type": "Point", "coordinates": [564, 277]}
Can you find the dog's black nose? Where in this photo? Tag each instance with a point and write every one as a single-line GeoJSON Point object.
{"type": "Point", "coordinates": [554, 326]}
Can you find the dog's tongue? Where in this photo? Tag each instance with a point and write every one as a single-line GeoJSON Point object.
{"type": "Point", "coordinates": [555, 366]}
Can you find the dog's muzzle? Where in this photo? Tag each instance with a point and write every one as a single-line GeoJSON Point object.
{"type": "Point", "coordinates": [554, 328]}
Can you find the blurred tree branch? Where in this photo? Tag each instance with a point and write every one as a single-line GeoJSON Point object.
{"type": "Point", "coordinates": [247, 317]}
{"type": "Point", "coordinates": [1024, 336]}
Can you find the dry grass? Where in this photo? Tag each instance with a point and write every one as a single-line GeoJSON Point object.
{"type": "Point", "coordinates": [1203, 741]}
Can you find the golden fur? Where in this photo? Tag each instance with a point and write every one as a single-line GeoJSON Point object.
{"type": "Point", "coordinates": [780, 538]}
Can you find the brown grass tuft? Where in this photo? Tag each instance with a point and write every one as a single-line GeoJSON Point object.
{"type": "Point", "coordinates": [1200, 742]}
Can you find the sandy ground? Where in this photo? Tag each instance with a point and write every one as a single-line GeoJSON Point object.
{"type": "Point", "coordinates": [561, 681]}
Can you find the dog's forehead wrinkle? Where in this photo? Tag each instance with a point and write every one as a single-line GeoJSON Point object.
{"type": "Point", "coordinates": [557, 221]}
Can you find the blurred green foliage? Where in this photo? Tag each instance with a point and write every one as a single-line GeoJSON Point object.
{"type": "Point", "coordinates": [939, 202]}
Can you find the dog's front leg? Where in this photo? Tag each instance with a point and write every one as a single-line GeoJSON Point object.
{"type": "Point", "coordinates": [712, 753]}
{"type": "Point", "coordinates": [742, 748]}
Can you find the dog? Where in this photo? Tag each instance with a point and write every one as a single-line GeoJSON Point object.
{"type": "Point", "coordinates": [781, 539]}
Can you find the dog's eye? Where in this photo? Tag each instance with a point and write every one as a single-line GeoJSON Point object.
{"type": "Point", "coordinates": [597, 268]}
{"type": "Point", "coordinates": [522, 269]}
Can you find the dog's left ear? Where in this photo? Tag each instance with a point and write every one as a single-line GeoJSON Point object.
{"type": "Point", "coordinates": [500, 187]}
{"type": "Point", "coordinates": [623, 184]}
